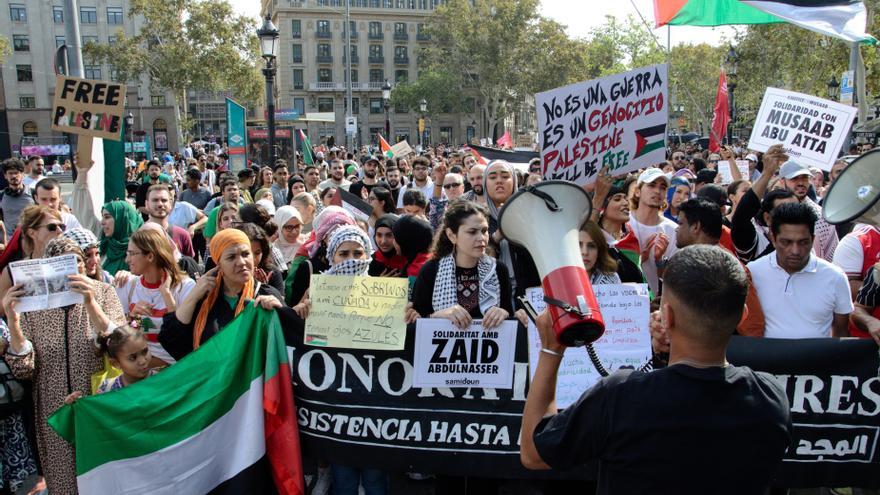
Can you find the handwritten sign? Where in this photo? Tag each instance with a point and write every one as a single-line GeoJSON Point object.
{"type": "Point", "coordinates": [625, 344]}
{"type": "Point", "coordinates": [724, 170]}
{"type": "Point", "coordinates": [617, 121]}
{"type": "Point", "coordinates": [357, 312]}
{"type": "Point", "coordinates": [89, 108]}
{"type": "Point", "coordinates": [447, 356]}
{"type": "Point", "coordinates": [402, 149]}
{"type": "Point", "coordinates": [811, 129]}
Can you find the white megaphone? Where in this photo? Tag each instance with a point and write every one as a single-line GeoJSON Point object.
{"type": "Point", "coordinates": [545, 219]}
{"type": "Point", "coordinates": [853, 196]}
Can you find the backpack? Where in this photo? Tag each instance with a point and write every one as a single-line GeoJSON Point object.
{"type": "Point", "coordinates": [11, 391]}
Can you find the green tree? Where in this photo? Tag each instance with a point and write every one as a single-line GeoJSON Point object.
{"type": "Point", "coordinates": [187, 44]}
{"type": "Point", "coordinates": [4, 48]}
{"type": "Point", "coordinates": [694, 72]}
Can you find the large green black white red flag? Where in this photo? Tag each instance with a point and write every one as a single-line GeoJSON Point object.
{"type": "Point", "coordinates": [221, 420]}
{"type": "Point", "coordinates": [844, 19]}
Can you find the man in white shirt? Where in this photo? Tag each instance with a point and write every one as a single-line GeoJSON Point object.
{"type": "Point", "coordinates": [802, 295]}
{"type": "Point", "coordinates": [420, 180]}
{"type": "Point", "coordinates": [337, 177]}
{"type": "Point", "coordinates": [36, 171]}
{"type": "Point", "coordinates": [47, 192]}
{"type": "Point", "coordinates": [186, 216]}
{"type": "Point", "coordinates": [653, 231]}
{"type": "Point", "coordinates": [796, 178]}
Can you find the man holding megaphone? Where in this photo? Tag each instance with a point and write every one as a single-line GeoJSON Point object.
{"type": "Point", "coordinates": [699, 424]}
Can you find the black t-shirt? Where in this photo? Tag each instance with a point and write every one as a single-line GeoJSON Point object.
{"type": "Point", "coordinates": [678, 430]}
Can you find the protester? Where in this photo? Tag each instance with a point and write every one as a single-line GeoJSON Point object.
{"type": "Point", "coordinates": [705, 290]}
{"type": "Point", "coordinates": [796, 178]}
{"type": "Point", "coordinates": [279, 184]}
{"type": "Point", "coordinates": [17, 462]}
{"type": "Point", "coordinates": [679, 191]}
{"type": "Point", "coordinates": [326, 195]}
{"type": "Point", "coordinates": [420, 181]}
{"type": "Point", "coordinates": [415, 204]}
{"type": "Point", "coordinates": [128, 350]}
{"type": "Point", "coordinates": [610, 209]}
{"type": "Point", "coordinates": [307, 206]}
{"type": "Point", "coordinates": [393, 181]}
{"type": "Point", "coordinates": [47, 192]}
{"type": "Point", "coordinates": [447, 187]}
{"type": "Point", "coordinates": [383, 203]}
{"type": "Point", "coordinates": [15, 198]}
{"type": "Point", "coordinates": [413, 237]}
{"type": "Point", "coordinates": [246, 179]}
{"type": "Point", "coordinates": [187, 216]}
{"type": "Point", "coordinates": [386, 260]}
{"type": "Point", "coordinates": [90, 246]}
{"type": "Point", "coordinates": [370, 180]}
{"type": "Point", "coordinates": [600, 265]}
{"type": "Point", "coordinates": [118, 221]}
{"type": "Point", "coordinates": [802, 295]}
{"type": "Point", "coordinates": [735, 191]}
{"type": "Point", "coordinates": [289, 223]}
{"type": "Point", "coordinates": [195, 194]}
{"type": "Point", "coordinates": [461, 283]}
{"type": "Point", "coordinates": [337, 178]}
{"type": "Point", "coordinates": [35, 171]}
{"type": "Point", "coordinates": [312, 178]}
{"type": "Point", "coordinates": [55, 349]}
{"type": "Point", "coordinates": [265, 270]}
{"type": "Point", "coordinates": [229, 193]}
{"type": "Point", "coordinates": [265, 181]}
{"type": "Point", "coordinates": [653, 231]}
{"type": "Point", "coordinates": [154, 176]}
{"type": "Point", "coordinates": [159, 206]}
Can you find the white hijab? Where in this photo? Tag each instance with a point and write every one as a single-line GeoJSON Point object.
{"type": "Point", "coordinates": [282, 216]}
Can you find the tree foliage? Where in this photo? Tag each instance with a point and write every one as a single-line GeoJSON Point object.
{"type": "Point", "coordinates": [187, 44]}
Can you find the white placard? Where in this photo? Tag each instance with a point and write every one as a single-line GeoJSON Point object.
{"type": "Point", "coordinates": [625, 344]}
{"type": "Point", "coordinates": [45, 282]}
{"type": "Point", "coordinates": [617, 121]}
{"type": "Point", "coordinates": [446, 356]}
{"type": "Point", "coordinates": [402, 149]}
{"type": "Point", "coordinates": [811, 129]}
{"type": "Point", "coordinates": [724, 170]}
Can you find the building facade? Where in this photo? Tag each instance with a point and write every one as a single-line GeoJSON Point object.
{"type": "Point", "coordinates": [385, 40]}
{"type": "Point", "coordinates": [36, 28]}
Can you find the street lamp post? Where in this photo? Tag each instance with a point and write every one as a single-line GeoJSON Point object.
{"type": "Point", "coordinates": [129, 126]}
{"type": "Point", "coordinates": [386, 100]}
{"type": "Point", "coordinates": [423, 107]}
{"type": "Point", "coordinates": [833, 88]}
{"type": "Point", "coordinates": [268, 35]}
{"type": "Point", "coordinates": [731, 60]}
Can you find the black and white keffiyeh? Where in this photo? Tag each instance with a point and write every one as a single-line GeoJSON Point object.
{"type": "Point", "coordinates": [446, 285]}
{"type": "Point", "coordinates": [349, 267]}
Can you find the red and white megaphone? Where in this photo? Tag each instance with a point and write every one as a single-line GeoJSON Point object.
{"type": "Point", "coordinates": [544, 219]}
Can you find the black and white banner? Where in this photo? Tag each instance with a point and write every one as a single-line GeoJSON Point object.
{"type": "Point", "coordinates": [359, 408]}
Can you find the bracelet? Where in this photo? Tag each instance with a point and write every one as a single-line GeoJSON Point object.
{"type": "Point", "coordinates": [552, 353]}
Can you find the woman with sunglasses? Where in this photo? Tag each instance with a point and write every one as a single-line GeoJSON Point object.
{"type": "Point", "coordinates": [55, 348]}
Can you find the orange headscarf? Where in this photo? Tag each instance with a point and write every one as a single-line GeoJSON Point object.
{"type": "Point", "coordinates": [219, 243]}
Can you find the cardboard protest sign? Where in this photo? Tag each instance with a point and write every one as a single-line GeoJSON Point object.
{"type": "Point", "coordinates": [402, 149]}
{"type": "Point", "coordinates": [625, 344]}
{"type": "Point", "coordinates": [811, 129]}
{"type": "Point", "coordinates": [724, 170]}
{"type": "Point", "coordinates": [357, 312]}
{"type": "Point", "coordinates": [617, 121]}
{"type": "Point", "coordinates": [88, 108]}
{"type": "Point", "coordinates": [446, 356]}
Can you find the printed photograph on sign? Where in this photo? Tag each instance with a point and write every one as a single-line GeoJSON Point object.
{"type": "Point", "coordinates": [617, 122]}
{"type": "Point", "coordinates": [447, 356]}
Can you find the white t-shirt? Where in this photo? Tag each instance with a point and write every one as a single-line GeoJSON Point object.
{"type": "Point", "coordinates": [30, 182]}
{"type": "Point", "coordinates": [345, 184]}
{"type": "Point", "coordinates": [850, 254]}
{"type": "Point", "coordinates": [427, 189]}
{"type": "Point", "coordinates": [135, 291]}
{"type": "Point", "coordinates": [69, 221]}
{"type": "Point", "coordinates": [643, 233]}
{"type": "Point", "coordinates": [183, 215]}
{"type": "Point", "coordinates": [800, 305]}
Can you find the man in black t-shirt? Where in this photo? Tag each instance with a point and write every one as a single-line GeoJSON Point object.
{"type": "Point", "coordinates": [698, 426]}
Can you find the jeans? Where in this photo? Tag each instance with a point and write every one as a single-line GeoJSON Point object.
{"type": "Point", "coordinates": [346, 480]}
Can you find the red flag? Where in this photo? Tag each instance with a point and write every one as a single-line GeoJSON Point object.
{"type": "Point", "coordinates": [479, 158]}
{"type": "Point", "coordinates": [505, 141]}
{"type": "Point", "coordinates": [720, 117]}
{"type": "Point", "coordinates": [384, 146]}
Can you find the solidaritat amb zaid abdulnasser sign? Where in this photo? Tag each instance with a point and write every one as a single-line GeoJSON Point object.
{"type": "Point", "coordinates": [358, 407]}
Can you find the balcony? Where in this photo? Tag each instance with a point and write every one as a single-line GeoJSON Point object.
{"type": "Point", "coordinates": [401, 36]}
{"type": "Point", "coordinates": [354, 59]}
{"type": "Point", "coordinates": [401, 60]}
{"type": "Point", "coordinates": [376, 59]}
{"type": "Point", "coordinates": [375, 86]}
{"type": "Point", "coordinates": [423, 37]}
{"type": "Point", "coordinates": [323, 35]}
{"type": "Point", "coordinates": [324, 59]}
{"type": "Point", "coordinates": [376, 36]}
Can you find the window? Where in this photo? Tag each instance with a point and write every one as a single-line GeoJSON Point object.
{"type": "Point", "coordinates": [400, 31]}
{"type": "Point", "coordinates": [18, 13]}
{"type": "Point", "coordinates": [375, 30]}
{"type": "Point", "coordinates": [325, 75]}
{"type": "Point", "coordinates": [353, 52]}
{"type": "Point", "coordinates": [355, 104]}
{"type": "Point", "coordinates": [114, 15]}
{"type": "Point", "coordinates": [88, 15]}
{"type": "Point", "coordinates": [89, 39]}
{"type": "Point", "coordinates": [297, 79]}
{"type": "Point", "coordinates": [27, 102]}
{"type": "Point", "coordinates": [401, 76]}
{"type": "Point", "coordinates": [325, 104]}
{"type": "Point", "coordinates": [59, 40]}
{"type": "Point", "coordinates": [297, 54]}
{"type": "Point", "coordinates": [58, 15]}
{"type": "Point", "coordinates": [376, 105]}
{"type": "Point", "coordinates": [354, 75]}
{"type": "Point", "coordinates": [295, 28]}
{"type": "Point", "coordinates": [401, 109]}
{"type": "Point", "coordinates": [21, 43]}
{"type": "Point", "coordinates": [375, 51]}
{"type": "Point", "coordinates": [352, 28]}
{"type": "Point", "coordinates": [24, 73]}
{"type": "Point", "coordinates": [30, 128]}
{"type": "Point", "coordinates": [111, 40]}
{"type": "Point", "coordinates": [323, 29]}
{"type": "Point", "coordinates": [299, 104]}
{"type": "Point", "coordinates": [377, 75]}
{"type": "Point", "coordinates": [324, 50]}
{"type": "Point", "coordinates": [157, 100]}
{"type": "Point", "coordinates": [114, 74]}
{"type": "Point", "coordinates": [92, 72]}
{"type": "Point", "coordinates": [400, 56]}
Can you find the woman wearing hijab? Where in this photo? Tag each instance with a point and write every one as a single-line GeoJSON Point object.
{"type": "Point", "coordinates": [90, 246]}
{"type": "Point", "coordinates": [413, 237]}
{"type": "Point", "coordinates": [220, 295]}
{"type": "Point", "coordinates": [119, 220]}
{"type": "Point", "coordinates": [289, 223]}
{"type": "Point", "coordinates": [386, 261]}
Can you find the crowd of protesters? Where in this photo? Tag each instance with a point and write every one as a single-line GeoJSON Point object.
{"type": "Point", "coordinates": [177, 260]}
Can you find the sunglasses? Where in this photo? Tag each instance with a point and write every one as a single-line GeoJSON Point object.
{"type": "Point", "coordinates": [52, 227]}
{"type": "Point", "coordinates": [454, 184]}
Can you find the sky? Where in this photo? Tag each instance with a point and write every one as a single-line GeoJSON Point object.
{"type": "Point", "coordinates": [589, 14]}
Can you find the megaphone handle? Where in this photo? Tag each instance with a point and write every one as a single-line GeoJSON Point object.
{"type": "Point", "coordinates": [529, 309]}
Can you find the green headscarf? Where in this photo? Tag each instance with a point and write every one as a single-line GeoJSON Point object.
{"type": "Point", "coordinates": [126, 220]}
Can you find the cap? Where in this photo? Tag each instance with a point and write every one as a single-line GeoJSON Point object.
{"type": "Point", "coordinates": [706, 176]}
{"type": "Point", "coordinates": [714, 193]}
{"type": "Point", "coordinates": [652, 174]}
{"type": "Point", "coordinates": [792, 169]}
{"type": "Point", "coordinates": [372, 159]}
{"type": "Point", "coordinates": [319, 154]}
{"type": "Point", "coordinates": [752, 157]}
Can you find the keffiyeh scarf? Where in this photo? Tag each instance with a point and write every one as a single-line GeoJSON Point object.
{"type": "Point", "coordinates": [446, 285]}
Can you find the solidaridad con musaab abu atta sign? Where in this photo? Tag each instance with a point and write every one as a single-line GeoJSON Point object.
{"type": "Point", "coordinates": [618, 122]}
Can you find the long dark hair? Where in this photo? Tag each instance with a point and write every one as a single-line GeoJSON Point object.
{"type": "Point", "coordinates": [384, 196]}
{"type": "Point", "coordinates": [257, 234]}
{"type": "Point", "coordinates": [257, 215]}
{"type": "Point", "coordinates": [456, 213]}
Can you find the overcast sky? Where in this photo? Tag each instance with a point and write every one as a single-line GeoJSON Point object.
{"type": "Point", "coordinates": [587, 14]}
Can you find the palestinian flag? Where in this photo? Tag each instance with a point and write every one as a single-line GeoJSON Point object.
{"type": "Point", "coordinates": [628, 246]}
{"type": "Point", "coordinates": [221, 420]}
{"type": "Point", "coordinates": [478, 157]}
{"type": "Point", "coordinates": [650, 139]}
{"type": "Point", "coordinates": [385, 147]}
{"type": "Point", "coordinates": [306, 148]}
{"type": "Point", "coordinates": [844, 19]}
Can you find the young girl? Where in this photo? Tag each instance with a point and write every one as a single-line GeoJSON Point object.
{"type": "Point", "coordinates": [128, 351]}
